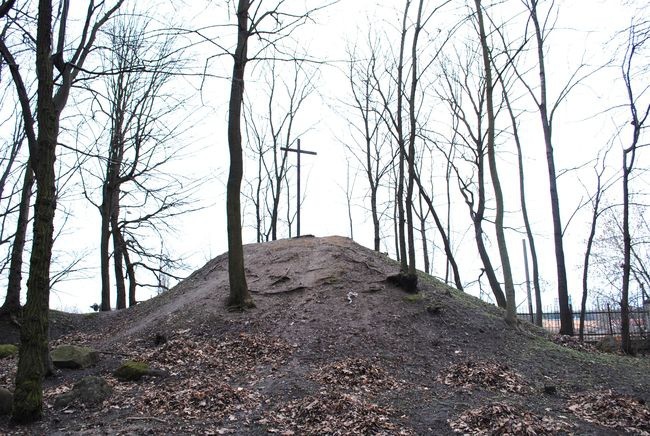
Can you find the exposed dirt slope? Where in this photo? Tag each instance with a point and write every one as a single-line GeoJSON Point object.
{"type": "Point", "coordinates": [332, 348]}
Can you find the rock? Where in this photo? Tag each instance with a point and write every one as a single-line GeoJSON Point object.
{"type": "Point", "coordinates": [132, 371]}
{"type": "Point", "coordinates": [608, 344]}
{"type": "Point", "coordinates": [6, 400]}
{"type": "Point", "coordinates": [72, 356]}
{"type": "Point", "coordinates": [89, 391]}
{"type": "Point", "coordinates": [550, 390]}
{"type": "Point", "coordinates": [8, 350]}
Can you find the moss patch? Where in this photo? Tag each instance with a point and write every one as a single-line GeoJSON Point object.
{"type": "Point", "coordinates": [414, 298]}
{"type": "Point", "coordinates": [8, 350]}
{"type": "Point", "coordinates": [132, 371]}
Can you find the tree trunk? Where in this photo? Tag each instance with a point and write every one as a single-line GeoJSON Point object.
{"type": "Point", "coordinates": [626, 342]}
{"type": "Point", "coordinates": [375, 218]}
{"type": "Point", "coordinates": [423, 233]}
{"type": "Point", "coordinates": [104, 254]}
{"type": "Point", "coordinates": [441, 230]}
{"type": "Point", "coordinates": [585, 268]}
{"type": "Point", "coordinates": [32, 366]}
{"type": "Point", "coordinates": [524, 213]}
{"type": "Point", "coordinates": [239, 294]}
{"type": "Point", "coordinates": [404, 267]}
{"type": "Point", "coordinates": [130, 269]}
{"type": "Point", "coordinates": [566, 317]}
{"type": "Point", "coordinates": [511, 305]}
{"type": "Point", "coordinates": [412, 274]}
{"type": "Point", "coordinates": [487, 265]}
{"type": "Point", "coordinates": [14, 281]}
{"type": "Point", "coordinates": [118, 255]}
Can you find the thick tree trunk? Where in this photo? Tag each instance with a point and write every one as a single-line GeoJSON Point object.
{"type": "Point", "coordinates": [14, 281]}
{"type": "Point", "coordinates": [32, 365]}
{"type": "Point", "coordinates": [239, 294]}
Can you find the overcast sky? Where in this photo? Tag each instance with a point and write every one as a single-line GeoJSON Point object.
{"type": "Point", "coordinates": [585, 31]}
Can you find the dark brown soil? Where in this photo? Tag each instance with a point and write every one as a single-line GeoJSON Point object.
{"type": "Point", "coordinates": [331, 348]}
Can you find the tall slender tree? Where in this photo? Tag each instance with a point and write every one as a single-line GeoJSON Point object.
{"type": "Point", "coordinates": [638, 38]}
{"type": "Point", "coordinates": [546, 118]}
{"type": "Point", "coordinates": [511, 306]}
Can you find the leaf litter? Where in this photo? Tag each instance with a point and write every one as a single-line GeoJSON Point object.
{"type": "Point", "coordinates": [471, 374]}
{"type": "Point", "coordinates": [613, 410]}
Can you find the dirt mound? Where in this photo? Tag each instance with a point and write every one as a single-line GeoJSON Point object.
{"type": "Point", "coordinates": [331, 348]}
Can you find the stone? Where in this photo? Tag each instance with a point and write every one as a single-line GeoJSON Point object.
{"type": "Point", "coordinates": [8, 350]}
{"type": "Point", "coordinates": [132, 371]}
{"type": "Point", "coordinates": [608, 344]}
{"type": "Point", "coordinates": [89, 391]}
{"type": "Point", "coordinates": [74, 357]}
{"type": "Point", "coordinates": [550, 389]}
{"type": "Point", "coordinates": [6, 400]}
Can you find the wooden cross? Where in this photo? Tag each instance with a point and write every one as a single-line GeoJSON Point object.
{"type": "Point", "coordinates": [298, 151]}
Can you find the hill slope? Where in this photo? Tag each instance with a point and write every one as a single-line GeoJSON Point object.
{"type": "Point", "coordinates": [332, 348]}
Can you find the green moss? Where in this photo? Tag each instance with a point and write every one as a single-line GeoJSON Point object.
{"type": "Point", "coordinates": [414, 298]}
{"type": "Point", "coordinates": [8, 350]}
{"type": "Point", "coordinates": [613, 360]}
{"type": "Point", "coordinates": [28, 402]}
{"type": "Point", "coordinates": [132, 371]}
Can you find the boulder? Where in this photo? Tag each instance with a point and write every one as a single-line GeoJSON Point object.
{"type": "Point", "coordinates": [608, 344]}
{"type": "Point", "coordinates": [72, 356]}
{"type": "Point", "coordinates": [6, 400]}
{"type": "Point", "coordinates": [132, 371]}
{"type": "Point", "coordinates": [88, 391]}
{"type": "Point", "coordinates": [8, 350]}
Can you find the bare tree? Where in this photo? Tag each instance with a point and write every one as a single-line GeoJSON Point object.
{"type": "Point", "coordinates": [638, 37]}
{"type": "Point", "coordinates": [33, 360]}
{"type": "Point", "coordinates": [142, 122]}
{"type": "Point", "coordinates": [271, 132]}
{"type": "Point", "coordinates": [596, 211]}
{"type": "Point", "coordinates": [511, 306]}
{"type": "Point", "coordinates": [11, 304]}
{"type": "Point", "coordinates": [369, 150]}
{"type": "Point", "coordinates": [470, 137]}
{"type": "Point", "coordinates": [546, 113]}
{"type": "Point", "coordinates": [524, 209]}
{"type": "Point", "coordinates": [250, 22]}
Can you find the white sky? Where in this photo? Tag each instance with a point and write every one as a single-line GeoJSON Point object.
{"type": "Point", "coordinates": [583, 27]}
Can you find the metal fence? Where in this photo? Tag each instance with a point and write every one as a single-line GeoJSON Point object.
{"type": "Point", "coordinates": [599, 322]}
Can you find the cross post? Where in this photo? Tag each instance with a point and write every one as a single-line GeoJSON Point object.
{"type": "Point", "coordinates": [298, 151]}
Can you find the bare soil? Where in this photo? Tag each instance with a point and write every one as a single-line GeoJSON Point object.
{"type": "Point", "coordinates": [333, 348]}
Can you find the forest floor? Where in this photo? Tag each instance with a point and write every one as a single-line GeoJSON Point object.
{"type": "Point", "coordinates": [333, 348]}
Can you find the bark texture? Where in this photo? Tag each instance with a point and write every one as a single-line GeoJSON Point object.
{"type": "Point", "coordinates": [239, 297]}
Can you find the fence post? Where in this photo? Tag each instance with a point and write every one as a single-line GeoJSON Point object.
{"type": "Point", "coordinates": [609, 318]}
